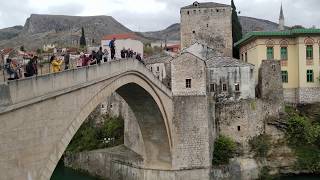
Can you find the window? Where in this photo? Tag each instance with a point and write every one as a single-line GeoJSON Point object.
{"type": "Point", "coordinates": [309, 75]}
{"type": "Point", "coordinates": [193, 32]}
{"type": "Point", "coordinates": [224, 87]}
{"type": "Point", "coordinates": [238, 128]}
{"type": "Point", "coordinates": [246, 57]}
{"type": "Point", "coordinates": [270, 53]}
{"type": "Point", "coordinates": [212, 87]}
{"type": "Point", "coordinates": [284, 75]}
{"type": "Point", "coordinates": [188, 12]}
{"type": "Point", "coordinates": [237, 87]}
{"type": "Point", "coordinates": [151, 68]}
{"type": "Point", "coordinates": [242, 57]}
{"type": "Point", "coordinates": [188, 83]}
{"type": "Point", "coordinates": [309, 51]}
{"type": "Point", "coordinates": [284, 53]}
{"type": "Point", "coordinates": [158, 69]}
{"type": "Point", "coordinates": [207, 25]}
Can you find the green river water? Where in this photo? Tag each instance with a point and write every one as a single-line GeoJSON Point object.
{"type": "Point", "coordinates": [64, 173]}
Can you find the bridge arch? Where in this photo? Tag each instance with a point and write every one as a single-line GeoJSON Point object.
{"type": "Point", "coordinates": [151, 104]}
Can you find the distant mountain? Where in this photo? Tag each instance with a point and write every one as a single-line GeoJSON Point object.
{"type": "Point", "coordinates": [248, 24]}
{"type": "Point", "coordinates": [9, 33]}
{"type": "Point", "coordinates": [171, 33]}
{"type": "Point", "coordinates": [62, 30]}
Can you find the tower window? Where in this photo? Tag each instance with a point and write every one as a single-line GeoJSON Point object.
{"type": "Point", "coordinates": [239, 128]}
{"type": "Point", "coordinates": [188, 12]}
{"type": "Point", "coordinates": [188, 83]}
{"type": "Point", "coordinates": [246, 57]}
{"type": "Point", "coordinates": [217, 10]}
{"type": "Point", "coordinates": [237, 87]}
{"type": "Point", "coordinates": [158, 69]}
{"type": "Point", "coordinates": [193, 32]}
{"type": "Point", "coordinates": [207, 25]}
{"type": "Point", "coordinates": [212, 87]}
{"type": "Point", "coordinates": [224, 87]}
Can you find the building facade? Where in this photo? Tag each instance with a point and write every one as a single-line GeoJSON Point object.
{"type": "Point", "coordinates": [160, 66]}
{"type": "Point", "coordinates": [207, 23]}
{"type": "Point", "coordinates": [123, 41]}
{"type": "Point", "coordinates": [297, 50]}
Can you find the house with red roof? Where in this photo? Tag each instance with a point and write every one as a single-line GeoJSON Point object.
{"type": "Point", "coordinates": [123, 41]}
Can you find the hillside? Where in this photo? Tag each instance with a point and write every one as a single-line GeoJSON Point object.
{"type": "Point", "coordinates": [248, 24]}
{"type": "Point", "coordinates": [9, 33]}
{"type": "Point", "coordinates": [62, 30]}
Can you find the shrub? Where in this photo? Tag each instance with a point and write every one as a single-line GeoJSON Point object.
{"type": "Point", "coordinates": [260, 145]}
{"type": "Point", "coordinates": [224, 149]}
{"type": "Point", "coordinates": [308, 158]}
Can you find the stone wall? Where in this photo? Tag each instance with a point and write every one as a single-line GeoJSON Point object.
{"type": "Point", "coordinates": [188, 66]}
{"type": "Point", "coordinates": [120, 163]}
{"type": "Point", "coordinates": [245, 119]}
{"type": "Point", "coordinates": [270, 80]}
{"type": "Point", "coordinates": [193, 133]}
{"type": "Point", "coordinates": [290, 95]}
{"type": "Point", "coordinates": [309, 95]}
{"type": "Point", "coordinates": [211, 26]}
{"type": "Point", "coordinates": [116, 106]}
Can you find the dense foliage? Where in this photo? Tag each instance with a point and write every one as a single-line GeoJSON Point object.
{"type": "Point", "coordinates": [224, 149]}
{"type": "Point", "coordinates": [260, 145]}
{"type": "Point", "coordinates": [304, 137]}
{"type": "Point", "coordinates": [90, 136]}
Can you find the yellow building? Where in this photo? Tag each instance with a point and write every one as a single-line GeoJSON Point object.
{"type": "Point", "coordinates": [298, 50]}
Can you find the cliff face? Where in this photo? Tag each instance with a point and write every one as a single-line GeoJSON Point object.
{"type": "Point", "coordinates": [9, 33]}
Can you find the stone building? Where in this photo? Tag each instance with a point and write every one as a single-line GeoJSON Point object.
{"type": "Point", "coordinates": [230, 79]}
{"type": "Point", "coordinates": [160, 66]}
{"type": "Point", "coordinates": [201, 70]}
{"type": "Point", "coordinates": [208, 23]}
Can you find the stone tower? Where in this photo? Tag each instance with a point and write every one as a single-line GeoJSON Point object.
{"type": "Point", "coordinates": [207, 23]}
{"type": "Point", "coordinates": [281, 20]}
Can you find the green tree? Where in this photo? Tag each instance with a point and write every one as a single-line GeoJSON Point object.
{"type": "Point", "coordinates": [236, 30]}
{"type": "Point", "coordinates": [260, 145]}
{"type": "Point", "coordinates": [82, 38]}
{"type": "Point", "coordinates": [22, 48]}
{"type": "Point", "coordinates": [224, 149]}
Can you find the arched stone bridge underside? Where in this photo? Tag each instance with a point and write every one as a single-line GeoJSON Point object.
{"type": "Point", "coordinates": [40, 115]}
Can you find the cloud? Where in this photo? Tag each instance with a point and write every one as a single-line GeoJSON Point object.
{"type": "Point", "coordinates": [66, 9]}
{"type": "Point", "coordinates": [146, 15]}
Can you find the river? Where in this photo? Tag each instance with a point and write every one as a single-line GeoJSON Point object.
{"type": "Point", "coordinates": [64, 173]}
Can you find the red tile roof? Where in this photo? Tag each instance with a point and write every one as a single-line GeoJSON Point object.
{"type": "Point", "coordinates": [6, 51]}
{"type": "Point", "coordinates": [120, 36]}
{"type": "Point", "coordinates": [174, 46]}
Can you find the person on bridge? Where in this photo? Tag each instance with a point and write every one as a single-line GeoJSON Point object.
{"type": "Point", "coordinates": [31, 67]}
{"type": "Point", "coordinates": [123, 53]}
{"type": "Point", "coordinates": [11, 70]}
{"type": "Point", "coordinates": [80, 60]}
{"type": "Point", "coordinates": [112, 48]}
{"type": "Point", "coordinates": [66, 60]}
{"type": "Point", "coordinates": [99, 55]}
{"type": "Point", "coordinates": [56, 65]}
{"type": "Point", "coordinates": [105, 55]}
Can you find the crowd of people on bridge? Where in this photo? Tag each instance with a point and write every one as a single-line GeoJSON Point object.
{"type": "Point", "coordinates": [15, 70]}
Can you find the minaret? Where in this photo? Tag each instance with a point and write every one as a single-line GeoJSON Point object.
{"type": "Point", "coordinates": [281, 20]}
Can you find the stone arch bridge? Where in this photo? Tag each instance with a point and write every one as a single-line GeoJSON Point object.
{"type": "Point", "coordinates": [40, 115]}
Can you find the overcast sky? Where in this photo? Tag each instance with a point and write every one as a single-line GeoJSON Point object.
{"type": "Point", "coordinates": [146, 15]}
